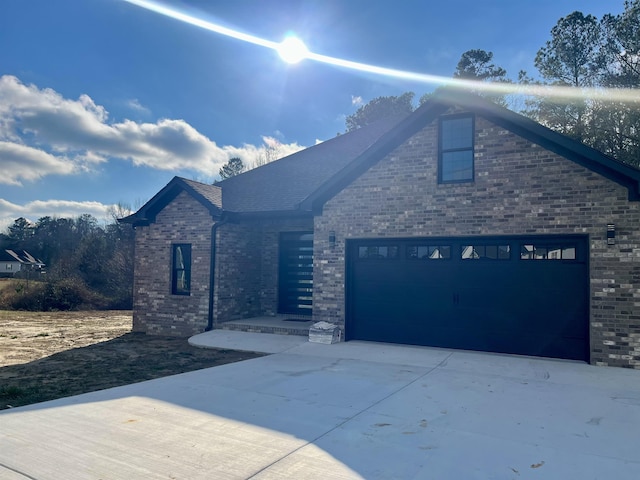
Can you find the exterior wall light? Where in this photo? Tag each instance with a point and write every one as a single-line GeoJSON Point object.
{"type": "Point", "coordinates": [611, 234]}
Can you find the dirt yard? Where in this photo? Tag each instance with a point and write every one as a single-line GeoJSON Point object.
{"type": "Point", "coordinates": [44, 356]}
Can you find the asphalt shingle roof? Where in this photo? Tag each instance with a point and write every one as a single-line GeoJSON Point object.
{"type": "Point", "coordinates": [283, 184]}
{"type": "Point", "coordinates": [210, 193]}
{"type": "Point", "coordinates": [305, 180]}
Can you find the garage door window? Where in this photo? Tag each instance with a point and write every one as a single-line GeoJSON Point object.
{"type": "Point", "coordinates": [485, 252]}
{"type": "Point", "coordinates": [429, 252]}
{"type": "Point", "coordinates": [378, 252]}
{"type": "Point", "coordinates": [534, 251]}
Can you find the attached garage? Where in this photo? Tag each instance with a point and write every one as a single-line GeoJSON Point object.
{"type": "Point", "coordinates": [463, 225]}
{"type": "Point", "coordinates": [521, 295]}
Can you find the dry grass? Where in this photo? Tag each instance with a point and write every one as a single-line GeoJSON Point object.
{"type": "Point", "coordinates": [44, 356]}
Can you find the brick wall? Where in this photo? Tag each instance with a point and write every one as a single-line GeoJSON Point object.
{"type": "Point", "coordinates": [246, 281]}
{"type": "Point", "coordinates": [519, 188]}
{"type": "Point", "coordinates": [155, 309]}
{"type": "Point", "coordinates": [237, 281]}
{"type": "Point", "coordinates": [247, 267]}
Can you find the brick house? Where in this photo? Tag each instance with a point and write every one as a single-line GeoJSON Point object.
{"type": "Point", "coordinates": [462, 225]}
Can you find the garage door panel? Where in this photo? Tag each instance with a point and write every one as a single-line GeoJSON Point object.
{"type": "Point", "coordinates": [542, 309]}
{"type": "Point", "coordinates": [404, 322]}
{"type": "Point", "coordinates": [525, 299]}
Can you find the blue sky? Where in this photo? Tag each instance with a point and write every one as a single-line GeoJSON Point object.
{"type": "Point", "coordinates": [103, 102]}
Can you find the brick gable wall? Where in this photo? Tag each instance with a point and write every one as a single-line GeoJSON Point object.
{"type": "Point", "coordinates": [520, 188]}
{"type": "Point", "coordinates": [246, 280]}
{"type": "Point", "coordinates": [155, 309]}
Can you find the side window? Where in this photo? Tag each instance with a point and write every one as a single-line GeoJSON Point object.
{"type": "Point", "coordinates": [455, 160]}
{"type": "Point", "coordinates": [181, 269]}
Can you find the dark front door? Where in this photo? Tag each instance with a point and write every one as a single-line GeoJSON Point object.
{"type": "Point", "coordinates": [295, 286]}
{"type": "Point", "coordinates": [524, 295]}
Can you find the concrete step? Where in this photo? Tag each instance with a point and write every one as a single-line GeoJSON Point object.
{"type": "Point", "coordinates": [276, 325]}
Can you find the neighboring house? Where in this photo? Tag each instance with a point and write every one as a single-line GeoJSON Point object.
{"type": "Point", "coordinates": [9, 264]}
{"type": "Point", "coordinates": [12, 262]}
{"type": "Point", "coordinates": [462, 225]}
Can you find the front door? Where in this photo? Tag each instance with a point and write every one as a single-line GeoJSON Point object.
{"type": "Point", "coordinates": [295, 285]}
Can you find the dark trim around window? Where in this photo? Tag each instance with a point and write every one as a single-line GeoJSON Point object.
{"type": "Point", "coordinates": [181, 269]}
{"type": "Point", "coordinates": [456, 149]}
{"type": "Point", "coordinates": [379, 252]}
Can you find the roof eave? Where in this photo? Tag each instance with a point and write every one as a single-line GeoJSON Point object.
{"type": "Point", "coordinates": [268, 214]}
{"type": "Point", "coordinates": [596, 161]}
{"type": "Point", "coordinates": [383, 146]}
{"type": "Point", "coordinates": [147, 213]}
{"type": "Point", "coordinates": [578, 152]}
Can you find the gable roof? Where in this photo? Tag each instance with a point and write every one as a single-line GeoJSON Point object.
{"type": "Point", "coordinates": [444, 99]}
{"type": "Point", "coordinates": [210, 196]}
{"type": "Point", "coordinates": [275, 188]}
{"type": "Point", "coordinates": [283, 184]}
{"type": "Point", "coordinates": [23, 257]}
{"type": "Point", "coordinates": [301, 183]}
{"type": "Point", "coordinates": [5, 256]}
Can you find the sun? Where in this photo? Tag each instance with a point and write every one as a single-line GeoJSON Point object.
{"type": "Point", "coordinates": [292, 50]}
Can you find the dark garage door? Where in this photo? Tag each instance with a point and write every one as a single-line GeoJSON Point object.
{"type": "Point", "coordinates": [525, 295]}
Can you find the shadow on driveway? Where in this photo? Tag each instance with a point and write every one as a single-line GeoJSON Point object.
{"type": "Point", "coordinates": [349, 410]}
{"type": "Point", "coordinates": [130, 358]}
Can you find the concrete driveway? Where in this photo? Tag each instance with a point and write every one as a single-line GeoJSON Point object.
{"type": "Point", "coordinates": [349, 410]}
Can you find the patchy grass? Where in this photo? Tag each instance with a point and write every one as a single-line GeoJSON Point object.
{"type": "Point", "coordinates": [44, 356]}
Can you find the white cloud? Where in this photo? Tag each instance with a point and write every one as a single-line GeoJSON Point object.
{"type": "Point", "coordinates": [55, 135]}
{"type": "Point", "coordinates": [21, 162]}
{"type": "Point", "coordinates": [134, 104]}
{"type": "Point", "coordinates": [356, 100]}
{"type": "Point", "coordinates": [271, 149]}
{"type": "Point", "coordinates": [32, 211]}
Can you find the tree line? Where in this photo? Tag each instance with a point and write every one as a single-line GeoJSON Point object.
{"type": "Point", "coordinates": [582, 52]}
{"type": "Point", "coordinates": [87, 265]}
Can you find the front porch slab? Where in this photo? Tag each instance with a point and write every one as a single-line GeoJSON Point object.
{"type": "Point", "coordinates": [247, 341]}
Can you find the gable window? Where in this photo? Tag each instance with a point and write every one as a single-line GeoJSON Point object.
{"type": "Point", "coordinates": [181, 269]}
{"type": "Point", "coordinates": [455, 162]}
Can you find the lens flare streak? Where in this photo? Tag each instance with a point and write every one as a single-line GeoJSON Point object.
{"type": "Point", "coordinates": [625, 95]}
{"type": "Point", "coordinates": [197, 22]}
